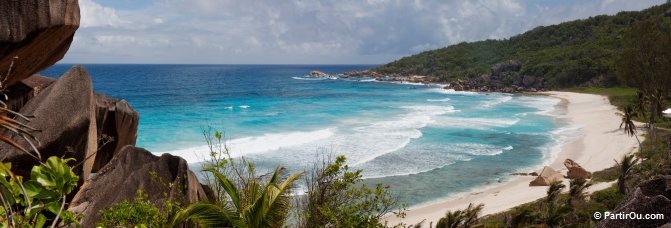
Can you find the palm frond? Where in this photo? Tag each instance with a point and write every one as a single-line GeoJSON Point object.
{"type": "Point", "coordinates": [206, 215]}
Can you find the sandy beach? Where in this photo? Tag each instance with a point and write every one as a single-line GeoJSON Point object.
{"type": "Point", "coordinates": [601, 142]}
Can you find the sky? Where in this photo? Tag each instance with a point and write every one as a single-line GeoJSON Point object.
{"type": "Point", "coordinates": [307, 31]}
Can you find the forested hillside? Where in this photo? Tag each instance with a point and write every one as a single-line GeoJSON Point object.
{"type": "Point", "coordinates": [569, 54]}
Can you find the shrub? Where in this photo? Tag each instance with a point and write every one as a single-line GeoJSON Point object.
{"type": "Point", "coordinates": [141, 212]}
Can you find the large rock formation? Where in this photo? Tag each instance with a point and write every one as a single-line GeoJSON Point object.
{"type": "Point", "coordinates": [64, 114]}
{"type": "Point", "coordinates": [117, 127]}
{"type": "Point", "coordinates": [131, 170]}
{"type": "Point", "coordinates": [20, 93]}
{"type": "Point", "coordinates": [650, 197]}
{"type": "Point", "coordinates": [576, 171]}
{"type": "Point", "coordinates": [546, 177]}
{"type": "Point", "coordinates": [38, 32]}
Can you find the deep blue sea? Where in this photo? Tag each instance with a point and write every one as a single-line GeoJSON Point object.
{"type": "Point", "coordinates": [427, 142]}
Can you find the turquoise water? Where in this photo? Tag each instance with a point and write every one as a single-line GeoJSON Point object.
{"type": "Point", "coordinates": [427, 142]}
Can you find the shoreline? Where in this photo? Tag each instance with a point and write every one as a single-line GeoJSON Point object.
{"type": "Point", "coordinates": [601, 141]}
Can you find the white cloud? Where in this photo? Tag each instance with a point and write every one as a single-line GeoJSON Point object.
{"type": "Point", "coordinates": [95, 15]}
{"type": "Point", "coordinates": [299, 31]}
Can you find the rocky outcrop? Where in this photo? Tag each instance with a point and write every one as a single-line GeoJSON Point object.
{"type": "Point", "coordinates": [20, 93]}
{"type": "Point", "coordinates": [506, 66]}
{"type": "Point", "coordinates": [504, 77]}
{"type": "Point", "coordinates": [117, 124]}
{"type": "Point", "coordinates": [576, 171]}
{"type": "Point", "coordinates": [38, 32]}
{"type": "Point", "coordinates": [64, 114]}
{"type": "Point", "coordinates": [319, 74]}
{"type": "Point", "coordinates": [134, 169]}
{"type": "Point", "coordinates": [650, 197]}
{"type": "Point", "coordinates": [547, 176]}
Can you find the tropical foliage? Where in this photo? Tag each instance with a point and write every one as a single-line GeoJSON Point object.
{"type": "Point", "coordinates": [626, 165]}
{"type": "Point", "coordinates": [246, 200]}
{"type": "Point", "coordinates": [461, 218]}
{"type": "Point", "coordinates": [627, 123]}
{"type": "Point", "coordinates": [40, 200]}
{"type": "Point", "coordinates": [575, 53]}
{"type": "Point", "coordinates": [337, 197]}
{"type": "Point", "coordinates": [644, 63]}
{"type": "Point", "coordinates": [139, 213]}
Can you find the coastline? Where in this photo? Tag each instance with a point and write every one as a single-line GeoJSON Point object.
{"type": "Point", "coordinates": [600, 143]}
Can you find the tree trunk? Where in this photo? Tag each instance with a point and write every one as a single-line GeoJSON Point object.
{"type": "Point", "coordinates": [653, 112]}
{"type": "Point", "coordinates": [620, 185]}
{"type": "Point", "coordinates": [640, 146]}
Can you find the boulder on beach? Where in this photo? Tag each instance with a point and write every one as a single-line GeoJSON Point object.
{"type": "Point", "coordinates": [37, 32]}
{"type": "Point", "coordinates": [575, 171]}
{"type": "Point", "coordinates": [547, 176]}
{"type": "Point", "coordinates": [650, 197]}
{"type": "Point", "coordinates": [65, 117]}
{"type": "Point", "coordinates": [134, 169]}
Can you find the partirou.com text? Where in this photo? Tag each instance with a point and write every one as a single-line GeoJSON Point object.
{"type": "Point", "coordinates": [626, 215]}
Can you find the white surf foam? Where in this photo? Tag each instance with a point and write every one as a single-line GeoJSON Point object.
{"type": "Point", "coordinates": [256, 144]}
{"type": "Point", "coordinates": [439, 100]}
{"type": "Point", "coordinates": [473, 123]}
{"type": "Point", "coordinates": [545, 105]}
{"type": "Point", "coordinates": [452, 91]}
{"type": "Point", "coordinates": [244, 106]}
{"type": "Point", "coordinates": [308, 78]}
{"type": "Point", "coordinates": [497, 101]}
{"type": "Point", "coordinates": [479, 149]}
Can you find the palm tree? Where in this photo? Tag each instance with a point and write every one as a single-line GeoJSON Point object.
{"type": "Point", "coordinates": [553, 214]}
{"type": "Point", "coordinates": [640, 105]}
{"type": "Point", "coordinates": [522, 217]}
{"type": "Point", "coordinates": [554, 190]}
{"type": "Point", "coordinates": [628, 124]}
{"type": "Point", "coordinates": [577, 191]}
{"type": "Point", "coordinates": [256, 204]}
{"type": "Point", "coordinates": [459, 218]}
{"type": "Point", "coordinates": [626, 165]}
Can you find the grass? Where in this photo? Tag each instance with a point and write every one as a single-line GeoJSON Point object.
{"type": "Point", "coordinates": [606, 175]}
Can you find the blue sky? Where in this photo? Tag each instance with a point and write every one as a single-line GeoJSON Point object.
{"type": "Point", "coordinates": [304, 31]}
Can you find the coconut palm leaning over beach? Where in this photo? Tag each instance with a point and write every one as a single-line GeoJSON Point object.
{"type": "Point", "coordinates": [628, 124]}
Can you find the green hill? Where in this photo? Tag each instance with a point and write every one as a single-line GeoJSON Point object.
{"type": "Point", "coordinates": [575, 53]}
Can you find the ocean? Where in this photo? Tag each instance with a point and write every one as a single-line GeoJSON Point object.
{"type": "Point", "coordinates": [426, 142]}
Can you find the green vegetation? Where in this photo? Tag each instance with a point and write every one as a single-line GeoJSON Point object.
{"type": "Point", "coordinates": [245, 200]}
{"type": "Point", "coordinates": [575, 53]}
{"type": "Point", "coordinates": [466, 218]}
{"type": "Point", "coordinates": [336, 197]}
{"type": "Point", "coordinates": [141, 212]}
{"type": "Point", "coordinates": [40, 200]}
{"type": "Point", "coordinates": [606, 175]}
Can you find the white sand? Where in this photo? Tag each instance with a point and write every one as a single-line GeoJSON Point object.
{"type": "Point", "coordinates": [601, 142]}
